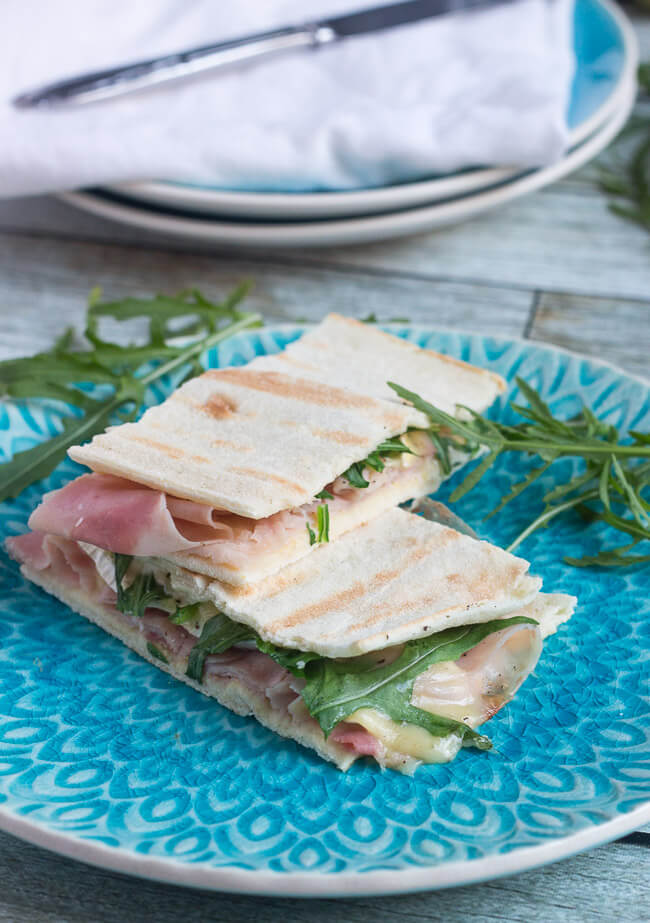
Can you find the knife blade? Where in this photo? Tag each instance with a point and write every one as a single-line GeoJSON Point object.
{"type": "Point", "coordinates": [142, 75]}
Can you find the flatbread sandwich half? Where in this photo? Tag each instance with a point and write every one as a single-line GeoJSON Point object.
{"type": "Point", "coordinates": [242, 471]}
{"type": "Point", "coordinates": [395, 642]}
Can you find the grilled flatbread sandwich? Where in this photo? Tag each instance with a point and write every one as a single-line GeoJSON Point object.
{"type": "Point", "coordinates": [395, 642]}
{"type": "Point", "coordinates": [242, 471]}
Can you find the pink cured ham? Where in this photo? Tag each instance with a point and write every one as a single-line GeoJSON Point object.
{"type": "Point", "coordinates": [63, 559]}
{"type": "Point", "coordinates": [120, 516]}
{"type": "Point", "coordinates": [356, 738]}
{"type": "Point", "coordinates": [66, 562]}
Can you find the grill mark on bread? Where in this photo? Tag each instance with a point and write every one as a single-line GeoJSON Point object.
{"type": "Point", "coordinates": [170, 450]}
{"type": "Point", "coordinates": [218, 406]}
{"type": "Point", "coordinates": [338, 436]}
{"type": "Point", "coordinates": [268, 476]}
{"type": "Point", "coordinates": [289, 360]}
{"type": "Point", "coordinates": [298, 389]}
{"type": "Point", "coordinates": [334, 602]}
{"type": "Point", "coordinates": [450, 360]}
{"type": "Point", "coordinates": [227, 444]}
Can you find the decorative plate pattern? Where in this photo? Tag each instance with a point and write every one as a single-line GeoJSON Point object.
{"type": "Point", "coordinates": [107, 759]}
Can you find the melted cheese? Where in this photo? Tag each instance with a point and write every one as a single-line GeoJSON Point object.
{"type": "Point", "coordinates": [406, 740]}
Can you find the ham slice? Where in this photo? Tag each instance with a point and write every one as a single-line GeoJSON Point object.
{"type": "Point", "coordinates": [120, 516]}
{"type": "Point", "coordinates": [470, 689]}
{"type": "Point", "coordinates": [65, 561]}
{"type": "Point", "coordinates": [356, 738]}
{"type": "Point", "coordinates": [483, 679]}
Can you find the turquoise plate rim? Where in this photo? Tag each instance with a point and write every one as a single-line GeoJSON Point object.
{"type": "Point", "coordinates": [345, 884]}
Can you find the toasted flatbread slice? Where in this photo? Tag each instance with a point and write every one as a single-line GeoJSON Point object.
{"type": "Point", "coordinates": [247, 441]}
{"type": "Point", "coordinates": [396, 578]}
{"type": "Point", "coordinates": [269, 436]}
{"type": "Point", "coordinates": [363, 358]}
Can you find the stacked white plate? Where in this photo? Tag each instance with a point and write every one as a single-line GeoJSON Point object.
{"type": "Point", "coordinates": [602, 96]}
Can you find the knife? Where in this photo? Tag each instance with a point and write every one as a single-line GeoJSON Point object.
{"type": "Point", "coordinates": [142, 75]}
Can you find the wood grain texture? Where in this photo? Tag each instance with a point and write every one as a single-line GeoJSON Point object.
{"type": "Point", "coordinates": [555, 240]}
{"type": "Point", "coordinates": [614, 329]}
{"type": "Point", "coordinates": [44, 285]}
{"type": "Point", "coordinates": [547, 240]}
{"type": "Point", "coordinates": [609, 883]}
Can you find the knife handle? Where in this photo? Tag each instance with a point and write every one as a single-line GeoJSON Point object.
{"type": "Point", "coordinates": [117, 81]}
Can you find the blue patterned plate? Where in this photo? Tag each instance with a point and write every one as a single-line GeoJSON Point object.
{"type": "Point", "coordinates": [108, 760]}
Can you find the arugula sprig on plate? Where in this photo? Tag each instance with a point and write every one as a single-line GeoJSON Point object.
{"type": "Point", "coordinates": [614, 478]}
{"type": "Point", "coordinates": [65, 372]}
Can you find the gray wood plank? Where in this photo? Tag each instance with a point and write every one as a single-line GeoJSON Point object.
{"type": "Point", "coordinates": [612, 329]}
{"type": "Point", "coordinates": [608, 883]}
{"type": "Point", "coordinates": [560, 239]}
{"type": "Point", "coordinates": [44, 284]}
{"type": "Point", "coordinates": [556, 240]}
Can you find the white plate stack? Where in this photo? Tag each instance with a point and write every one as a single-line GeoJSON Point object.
{"type": "Point", "coordinates": [603, 93]}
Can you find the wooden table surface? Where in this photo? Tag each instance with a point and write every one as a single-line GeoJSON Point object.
{"type": "Point", "coordinates": [555, 266]}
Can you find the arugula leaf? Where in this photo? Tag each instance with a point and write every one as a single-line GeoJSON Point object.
{"type": "Point", "coordinates": [614, 557]}
{"type": "Point", "coordinates": [614, 473]}
{"type": "Point", "coordinates": [373, 319]}
{"type": "Point", "coordinates": [335, 689]}
{"type": "Point", "coordinates": [393, 445]}
{"type": "Point", "coordinates": [141, 593]}
{"type": "Point", "coordinates": [185, 614]}
{"type": "Point", "coordinates": [354, 474]}
{"type": "Point", "coordinates": [218, 635]}
{"type": "Point", "coordinates": [323, 516]}
{"type": "Point", "coordinates": [124, 370]}
{"type": "Point", "coordinates": [292, 660]}
{"type": "Point", "coordinates": [156, 652]}
{"type": "Point", "coordinates": [324, 495]}
{"type": "Point", "coordinates": [322, 524]}
{"type": "Point", "coordinates": [33, 464]}
{"type": "Point", "coordinates": [627, 177]}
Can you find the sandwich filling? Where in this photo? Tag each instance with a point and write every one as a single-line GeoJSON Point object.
{"type": "Point", "coordinates": [418, 701]}
{"type": "Point", "coordinates": [125, 517]}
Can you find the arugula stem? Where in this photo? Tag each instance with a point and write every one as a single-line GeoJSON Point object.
{"type": "Point", "coordinates": [547, 515]}
{"type": "Point", "coordinates": [46, 375]}
{"type": "Point", "coordinates": [575, 448]}
{"type": "Point", "coordinates": [248, 320]}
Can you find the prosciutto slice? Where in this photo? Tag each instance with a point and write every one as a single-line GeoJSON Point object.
{"type": "Point", "coordinates": [120, 516]}
{"type": "Point", "coordinates": [66, 562]}
{"type": "Point", "coordinates": [63, 559]}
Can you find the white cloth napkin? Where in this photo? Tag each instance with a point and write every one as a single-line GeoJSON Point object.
{"type": "Point", "coordinates": [488, 87]}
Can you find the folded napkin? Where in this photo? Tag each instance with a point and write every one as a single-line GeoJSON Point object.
{"type": "Point", "coordinates": [481, 87]}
